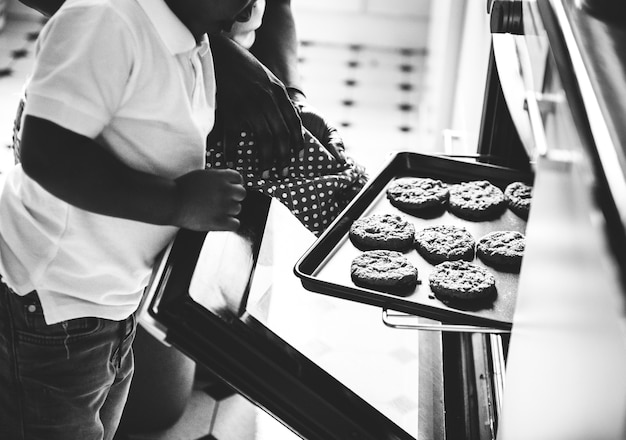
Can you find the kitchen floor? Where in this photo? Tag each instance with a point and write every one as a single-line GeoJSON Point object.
{"type": "Point", "coordinates": [371, 94]}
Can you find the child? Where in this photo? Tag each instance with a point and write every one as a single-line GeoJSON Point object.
{"type": "Point", "coordinates": [113, 155]}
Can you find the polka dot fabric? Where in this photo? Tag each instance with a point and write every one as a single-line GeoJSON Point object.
{"type": "Point", "coordinates": [316, 188]}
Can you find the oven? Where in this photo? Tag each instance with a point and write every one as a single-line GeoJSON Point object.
{"type": "Point", "coordinates": [332, 362]}
{"type": "Point", "coordinates": [567, 90]}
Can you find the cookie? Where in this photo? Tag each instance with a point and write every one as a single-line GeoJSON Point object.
{"type": "Point", "coordinates": [502, 249]}
{"type": "Point", "coordinates": [388, 271]}
{"type": "Point", "coordinates": [461, 281]}
{"type": "Point", "coordinates": [476, 200]}
{"type": "Point", "coordinates": [445, 243]}
{"type": "Point", "coordinates": [382, 231]}
{"type": "Point", "coordinates": [518, 196]}
{"type": "Point", "coordinates": [418, 194]}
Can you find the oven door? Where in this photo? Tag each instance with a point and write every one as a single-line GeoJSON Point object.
{"type": "Point", "coordinates": [325, 367]}
{"type": "Point", "coordinates": [566, 362]}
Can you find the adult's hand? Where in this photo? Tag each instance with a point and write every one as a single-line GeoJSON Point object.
{"type": "Point", "coordinates": [318, 126]}
{"type": "Point", "coordinates": [249, 95]}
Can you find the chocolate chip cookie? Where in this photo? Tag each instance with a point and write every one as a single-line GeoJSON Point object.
{"type": "Point", "coordinates": [382, 231]}
{"type": "Point", "coordinates": [416, 195]}
{"type": "Point", "coordinates": [388, 271]}
{"type": "Point", "coordinates": [518, 196]}
{"type": "Point", "coordinates": [461, 281]}
{"type": "Point", "coordinates": [476, 200]}
{"type": "Point", "coordinates": [445, 243]}
{"type": "Point", "coordinates": [502, 249]}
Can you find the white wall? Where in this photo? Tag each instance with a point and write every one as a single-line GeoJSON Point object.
{"type": "Point", "coordinates": [458, 51]}
{"type": "Point", "coordinates": [387, 23]}
{"type": "Point", "coordinates": [382, 7]}
{"type": "Point", "coordinates": [18, 11]}
{"type": "Point", "coordinates": [472, 67]}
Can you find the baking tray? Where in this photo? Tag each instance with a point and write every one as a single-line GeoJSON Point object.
{"type": "Point", "coordinates": [325, 267]}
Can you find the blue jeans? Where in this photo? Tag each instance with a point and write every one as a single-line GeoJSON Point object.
{"type": "Point", "coordinates": [64, 381]}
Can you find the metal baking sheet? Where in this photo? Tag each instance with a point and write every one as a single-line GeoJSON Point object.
{"type": "Point", "coordinates": [325, 267]}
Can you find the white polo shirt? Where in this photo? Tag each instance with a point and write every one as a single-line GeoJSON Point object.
{"type": "Point", "coordinates": [129, 74]}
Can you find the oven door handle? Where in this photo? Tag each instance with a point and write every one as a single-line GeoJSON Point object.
{"type": "Point", "coordinates": [395, 320]}
{"type": "Point", "coordinates": [531, 105]}
{"type": "Point", "coordinates": [537, 104]}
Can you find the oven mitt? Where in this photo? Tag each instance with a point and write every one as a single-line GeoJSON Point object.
{"type": "Point", "coordinates": [316, 188]}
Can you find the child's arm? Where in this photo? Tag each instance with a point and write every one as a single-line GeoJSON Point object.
{"type": "Point", "coordinates": [79, 171]}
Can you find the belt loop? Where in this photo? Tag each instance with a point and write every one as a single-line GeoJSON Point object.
{"type": "Point", "coordinates": [120, 347]}
{"type": "Point", "coordinates": [67, 336]}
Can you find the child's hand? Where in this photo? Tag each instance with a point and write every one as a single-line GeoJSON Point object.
{"type": "Point", "coordinates": [209, 200]}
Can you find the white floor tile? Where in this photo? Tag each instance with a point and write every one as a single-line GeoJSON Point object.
{"type": "Point", "coordinates": [237, 419]}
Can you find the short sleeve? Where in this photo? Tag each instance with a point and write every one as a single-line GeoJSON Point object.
{"type": "Point", "coordinates": [82, 68]}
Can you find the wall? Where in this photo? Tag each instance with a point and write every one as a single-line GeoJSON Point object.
{"type": "Point", "coordinates": [386, 23]}
{"type": "Point", "coordinates": [454, 84]}
{"type": "Point", "coordinates": [18, 11]}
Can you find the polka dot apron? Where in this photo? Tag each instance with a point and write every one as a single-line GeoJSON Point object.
{"type": "Point", "coordinates": [316, 189]}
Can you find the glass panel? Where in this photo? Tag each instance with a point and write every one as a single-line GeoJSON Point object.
{"type": "Point", "coordinates": [222, 273]}
{"type": "Point", "coordinates": [384, 366]}
{"type": "Point", "coordinates": [398, 372]}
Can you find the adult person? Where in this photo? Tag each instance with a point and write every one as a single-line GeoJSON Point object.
{"type": "Point", "coordinates": [318, 182]}
{"type": "Point", "coordinates": [110, 131]}
{"type": "Point", "coordinates": [270, 35]}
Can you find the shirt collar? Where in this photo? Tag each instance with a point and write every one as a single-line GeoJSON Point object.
{"type": "Point", "coordinates": [177, 38]}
